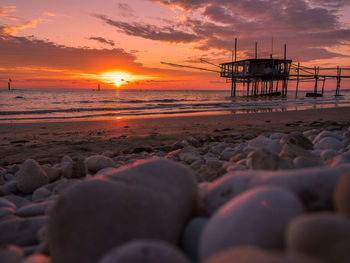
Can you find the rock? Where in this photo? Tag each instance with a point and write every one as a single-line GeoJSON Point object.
{"type": "Point", "coordinates": [189, 155]}
{"type": "Point", "coordinates": [95, 163]}
{"type": "Point", "coordinates": [292, 151]}
{"type": "Point", "coordinates": [143, 202]}
{"type": "Point", "coordinates": [147, 251]}
{"type": "Point", "coordinates": [40, 194]}
{"type": "Point", "coordinates": [79, 167]}
{"type": "Point", "coordinates": [109, 154]}
{"type": "Point", "coordinates": [34, 209]}
{"type": "Point", "coordinates": [340, 159]}
{"type": "Point", "coordinates": [63, 185]}
{"type": "Point", "coordinates": [327, 155]}
{"type": "Point", "coordinates": [314, 186]}
{"type": "Point", "coordinates": [53, 173]}
{"type": "Point", "coordinates": [17, 200]}
{"type": "Point", "coordinates": [218, 148]}
{"type": "Point", "coordinates": [10, 187]}
{"type": "Point", "coordinates": [228, 153]}
{"type": "Point", "coordinates": [213, 163]}
{"type": "Point", "coordinates": [6, 212]}
{"type": "Point", "coordinates": [277, 136]}
{"type": "Point", "coordinates": [6, 203]}
{"type": "Point", "coordinates": [37, 258]}
{"type": "Point", "coordinates": [247, 254]}
{"type": "Point", "coordinates": [306, 162]}
{"type": "Point", "coordinates": [10, 254]}
{"type": "Point", "coordinates": [30, 176]}
{"type": "Point", "coordinates": [329, 143]}
{"type": "Point", "coordinates": [326, 134]}
{"type": "Point", "coordinates": [193, 141]}
{"type": "Point", "coordinates": [264, 143]}
{"type": "Point", "coordinates": [197, 164]}
{"type": "Point", "coordinates": [262, 159]}
{"type": "Point", "coordinates": [323, 236]}
{"type": "Point", "coordinates": [257, 217]}
{"type": "Point", "coordinates": [236, 167]}
{"type": "Point", "coordinates": [191, 236]}
{"type": "Point", "coordinates": [311, 132]}
{"type": "Point", "coordinates": [21, 232]}
{"type": "Point", "coordinates": [237, 157]}
{"type": "Point", "coordinates": [342, 195]}
{"type": "Point", "coordinates": [298, 140]}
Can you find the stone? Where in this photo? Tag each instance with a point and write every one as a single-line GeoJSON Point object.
{"type": "Point", "coordinates": [323, 236]}
{"type": "Point", "coordinates": [17, 200]}
{"type": "Point", "coordinates": [197, 164]}
{"type": "Point", "coordinates": [228, 153]}
{"type": "Point", "coordinates": [262, 142]}
{"type": "Point", "coordinates": [326, 134]}
{"type": "Point", "coordinates": [66, 167]}
{"type": "Point", "coordinates": [277, 136]}
{"type": "Point", "coordinates": [218, 148]}
{"type": "Point", "coordinates": [10, 187]}
{"type": "Point", "coordinates": [293, 150]}
{"type": "Point", "coordinates": [37, 258]}
{"type": "Point", "coordinates": [314, 186]}
{"type": "Point", "coordinates": [10, 254]}
{"type": "Point", "coordinates": [147, 251]}
{"type": "Point", "coordinates": [237, 157]}
{"type": "Point", "coordinates": [340, 159]}
{"type": "Point", "coordinates": [297, 139]}
{"type": "Point", "coordinates": [30, 176]}
{"type": "Point", "coordinates": [109, 154]}
{"type": "Point", "coordinates": [191, 236]}
{"type": "Point", "coordinates": [236, 167]}
{"type": "Point", "coordinates": [95, 163]}
{"type": "Point", "coordinates": [213, 163]}
{"type": "Point", "coordinates": [63, 185]}
{"type": "Point", "coordinates": [327, 155]}
{"type": "Point", "coordinates": [249, 254]}
{"type": "Point", "coordinates": [342, 195]}
{"type": "Point", "coordinates": [143, 201]}
{"type": "Point", "coordinates": [257, 217]}
{"type": "Point", "coordinates": [34, 209]}
{"type": "Point", "coordinates": [21, 231]}
{"type": "Point", "coordinates": [306, 162]}
{"type": "Point", "coordinates": [189, 155]}
{"type": "Point", "coordinates": [329, 143]}
{"type": "Point", "coordinates": [6, 203]}
{"type": "Point", "coordinates": [40, 194]}
{"type": "Point", "coordinates": [53, 173]}
{"type": "Point", "coordinates": [5, 212]}
{"type": "Point", "coordinates": [262, 159]}
{"type": "Point", "coordinates": [311, 132]}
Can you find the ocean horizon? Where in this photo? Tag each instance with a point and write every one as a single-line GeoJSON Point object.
{"type": "Point", "coordinates": [41, 105]}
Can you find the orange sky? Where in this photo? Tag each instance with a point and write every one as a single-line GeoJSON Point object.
{"type": "Point", "coordinates": [77, 43]}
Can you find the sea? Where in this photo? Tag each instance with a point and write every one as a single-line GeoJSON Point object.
{"type": "Point", "coordinates": [42, 105]}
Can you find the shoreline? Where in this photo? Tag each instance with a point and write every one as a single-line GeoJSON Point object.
{"type": "Point", "coordinates": [50, 141]}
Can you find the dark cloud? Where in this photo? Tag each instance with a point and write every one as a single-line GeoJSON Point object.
{"type": "Point", "coordinates": [125, 10]}
{"type": "Point", "coordinates": [166, 33]}
{"type": "Point", "coordinates": [103, 41]}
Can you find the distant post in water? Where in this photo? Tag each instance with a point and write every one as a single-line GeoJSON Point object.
{"type": "Point", "coordinates": [9, 84]}
{"type": "Point", "coordinates": [298, 72]}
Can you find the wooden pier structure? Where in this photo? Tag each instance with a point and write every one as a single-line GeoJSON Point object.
{"type": "Point", "coordinates": [270, 76]}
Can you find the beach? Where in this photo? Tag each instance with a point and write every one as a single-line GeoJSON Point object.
{"type": "Point", "coordinates": [50, 141]}
{"type": "Point", "coordinates": [258, 187]}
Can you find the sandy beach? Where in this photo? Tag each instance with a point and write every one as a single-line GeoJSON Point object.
{"type": "Point", "coordinates": [49, 142]}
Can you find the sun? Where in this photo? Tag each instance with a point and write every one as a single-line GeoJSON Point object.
{"type": "Point", "coordinates": [118, 81]}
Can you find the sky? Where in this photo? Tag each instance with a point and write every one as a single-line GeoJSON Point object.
{"type": "Point", "coordinates": [120, 44]}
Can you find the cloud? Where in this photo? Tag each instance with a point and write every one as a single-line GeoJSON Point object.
{"type": "Point", "coordinates": [166, 33]}
{"type": "Point", "coordinates": [303, 24]}
{"type": "Point", "coordinates": [13, 29]}
{"type": "Point", "coordinates": [5, 11]}
{"type": "Point", "coordinates": [125, 10]}
{"type": "Point", "coordinates": [103, 41]}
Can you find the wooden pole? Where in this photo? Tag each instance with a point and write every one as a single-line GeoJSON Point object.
{"type": "Point", "coordinates": [256, 50]}
{"type": "Point", "coordinates": [324, 80]}
{"type": "Point", "coordinates": [316, 79]}
{"type": "Point", "coordinates": [297, 87]}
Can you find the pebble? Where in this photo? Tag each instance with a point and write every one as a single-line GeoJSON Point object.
{"type": "Point", "coordinates": [261, 159]}
{"type": "Point", "coordinates": [314, 186]}
{"type": "Point", "coordinates": [329, 143]}
{"type": "Point", "coordinates": [257, 217]}
{"type": "Point", "coordinates": [149, 200]}
{"type": "Point", "coordinates": [326, 134]}
{"type": "Point", "coordinates": [10, 254]}
{"type": "Point", "coordinates": [30, 176]}
{"type": "Point", "coordinates": [342, 195]}
{"type": "Point", "coordinates": [189, 155]}
{"type": "Point", "coordinates": [327, 155]}
{"type": "Point", "coordinates": [21, 231]}
{"type": "Point", "coordinates": [264, 143]}
{"type": "Point", "coordinates": [17, 200]}
{"type": "Point", "coordinates": [306, 162]}
{"type": "Point", "coordinates": [95, 163]}
{"type": "Point", "coordinates": [250, 254]}
{"type": "Point", "coordinates": [40, 194]}
{"type": "Point", "coordinates": [10, 187]}
{"type": "Point", "coordinates": [147, 251]}
{"type": "Point", "coordinates": [6, 203]}
{"type": "Point", "coordinates": [5, 212]}
{"type": "Point", "coordinates": [34, 209]}
{"type": "Point", "coordinates": [37, 258]}
{"type": "Point", "coordinates": [228, 153]}
{"type": "Point", "coordinates": [297, 139]}
{"type": "Point", "coordinates": [191, 236]}
{"type": "Point", "coordinates": [324, 236]}
{"type": "Point", "coordinates": [53, 173]}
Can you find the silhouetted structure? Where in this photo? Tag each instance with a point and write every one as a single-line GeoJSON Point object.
{"type": "Point", "coordinates": [9, 84]}
{"type": "Point", "coordinates": [269, 76]}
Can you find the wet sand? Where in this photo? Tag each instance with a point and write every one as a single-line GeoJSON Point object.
{"type": "Point", "coordinates": [49, 142]}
